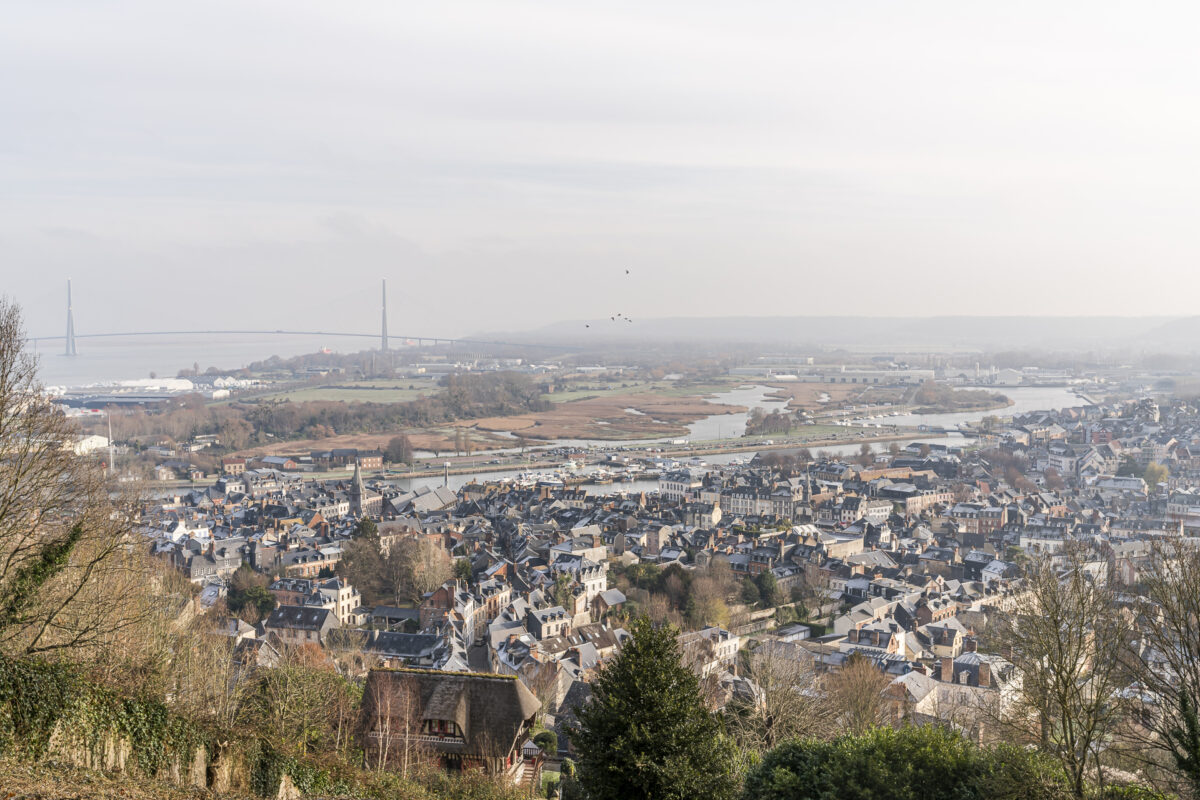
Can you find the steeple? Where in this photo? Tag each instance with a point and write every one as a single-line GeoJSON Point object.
{"type": "Point", "coordinates": [356, 491]}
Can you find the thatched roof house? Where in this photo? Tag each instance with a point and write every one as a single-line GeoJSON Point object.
{"type": "Point", "coordinates": [465, 720]}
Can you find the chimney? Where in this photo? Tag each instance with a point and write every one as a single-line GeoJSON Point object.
{"type": "Point", "coordinates": [985, 674]}
{"type": "Point", "coordinates": [947, 669]}
{"type": "Point", "coordinates": [970, 644]}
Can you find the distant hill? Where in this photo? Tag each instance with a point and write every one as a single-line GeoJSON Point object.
{"type": "Point", "coordinates": [950, 332]}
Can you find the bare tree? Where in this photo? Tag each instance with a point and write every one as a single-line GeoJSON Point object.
{"type": "Point", "coordinates": [395, 717]}
{"type": "Point", "coordinates": [296, 698]}
{"type": "Point", "coordinates": [784, 703]}
{"type": "Point", "coordinates": [1065, 644]}
{"type": "Point", "coordinates": [856, 694]}
{"type": "Point", "coordinates": [1165, 659]}
{"type": "Point", "coordinates": [66, 557]}
{"type": "Point", "coordinates": [427, 564]}
{"type": "Point", "coordinates": [866, 455]}
{"type": "Point", "coordinates": [209, 682]}
{"type": "Point", "coordinates": [707, 602]}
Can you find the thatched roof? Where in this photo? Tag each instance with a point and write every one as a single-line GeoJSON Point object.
{"type": "Point", "coordinates": [491, 710]}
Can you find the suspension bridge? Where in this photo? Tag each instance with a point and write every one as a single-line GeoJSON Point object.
{"type": "Point", "coordinates": [385, 340]}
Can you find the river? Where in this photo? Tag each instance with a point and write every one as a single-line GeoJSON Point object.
{"type": "Point", "coordinates": [1025, 400]}
{"type": "Point", "coordinates": [110, 359]}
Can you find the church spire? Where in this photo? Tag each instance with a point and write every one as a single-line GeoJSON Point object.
{"type": "Point", "coordinates": [356, 491]}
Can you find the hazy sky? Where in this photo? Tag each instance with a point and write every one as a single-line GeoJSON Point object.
{"type": "Point", "coordinates": [502, 163]}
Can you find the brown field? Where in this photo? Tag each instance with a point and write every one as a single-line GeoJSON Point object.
{"type": "Point", "coordinates": [602, 417]}
{"type": "Point", "coordinates": [805, 395]}
{"type": "Point", "coordinates": [605, 417]}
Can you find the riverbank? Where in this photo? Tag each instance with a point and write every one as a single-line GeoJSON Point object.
{"type": "Point", "coordinates": [431, 469]}
{"type": "Point", "coordinates": [613, 417]}
{"type": "Point", "coordinates": [970, 408]}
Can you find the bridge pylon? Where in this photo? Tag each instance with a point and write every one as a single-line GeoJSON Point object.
{"type": "Point", "coordinates": [70, 346]}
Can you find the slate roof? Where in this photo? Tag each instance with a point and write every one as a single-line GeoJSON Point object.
{"type": "Point", "coordinates": [304, 618]}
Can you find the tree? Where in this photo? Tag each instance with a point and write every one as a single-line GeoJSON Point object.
{"type": "Point", "coordinates": [768, 588]}
{"type": "Point", "coordinates": [462, 569]}
{"type": "Point", "coordinates": [293, 703]}
{"type": "Point", "coordinates": [645, 731]}
{"type": "Point", "coordinates": [785, 704]}
{"type": "Point", "coordinates": [706, 602]}
{"type": "Point", "coordinates": [396, 708]}
{"type": "Point", "coordinates": [855, 694]}
{"type": "Point", "coordinates": [399, 450]}
{"type": "Point", "coordinates": [68, 580]}
{"type": "Point", "coordinates": [1154, 475]}
{"type": "Point", "coordinates": [927, 763]}
{"type": "Point", "coordinates": [548, 741]}
{"type": "Point", "coordinates": [866, 456]}
{"type": "Point", "coordinates": [208, 684]}
{"type": "Point", "coordinates": [1065, 643]}
{"type": "Point", "coordinates": [1053, 479]}
{"type": "Point", "coordinates": [1128, 467]}
{"type": "Point", "coordinates": [750, 593]}
{"type": "Point", "coordinates": [1165, 658]}
{"type": "Point", "coordinates": [425, 564]}
{"type": "Point", "coordinates": [561, 593]}
{"type": "Point", "coordinates": [371, 568]}
{"type": "Point", "coordinates": [248, 593]}
{"type": "Point", "coordinates": [257, 602]}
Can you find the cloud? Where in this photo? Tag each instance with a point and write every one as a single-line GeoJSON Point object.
{"type": "Point", "coordinates": [498, 161]}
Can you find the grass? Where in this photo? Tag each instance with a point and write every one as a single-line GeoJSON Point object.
{"type": "Point", "coordinates": [807, 431]}
{"type": "Point", "coordinates": [685, 389]}
{"type": "Point", "coordinates": [22, 780]}
{"type": "Point", "coordinates": [548, 777]}
{"type": "Point", "coordinates": [572, 395]}
{"type": "Point", "coordinates": [661, 388]}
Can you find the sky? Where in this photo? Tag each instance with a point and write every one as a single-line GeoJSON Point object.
{"type": "Point", "coordinates": [258, 164]}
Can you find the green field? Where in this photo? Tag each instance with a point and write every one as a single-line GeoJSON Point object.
{"type": "Point", "coordinates": [816, 433]}
{"type": "Point", "coordinates": [662, 388]}
{"type": "Point", "coordinates": [682, 389]}
{"type": "Point", "coordinates": [597, 390]}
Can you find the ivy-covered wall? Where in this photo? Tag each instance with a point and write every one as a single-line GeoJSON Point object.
{"type": "Point", "coordinates": [49, 710]}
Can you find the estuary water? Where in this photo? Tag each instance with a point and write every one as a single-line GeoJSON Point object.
{"type": "Point", "coordinates": [118, 358]}
{"type": "Point", "coordinates": [1025, 399]}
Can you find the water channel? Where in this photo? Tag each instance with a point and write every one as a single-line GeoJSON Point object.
{"type": "Point", "coordinates": [731, 426]}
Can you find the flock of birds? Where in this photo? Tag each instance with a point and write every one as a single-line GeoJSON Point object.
{"type": "Point", "coordinates": [615, 318]}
